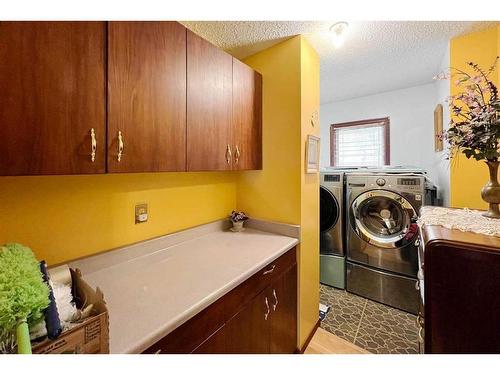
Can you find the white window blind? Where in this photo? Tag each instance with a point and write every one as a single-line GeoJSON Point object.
{"type": "Point", "coordinates": [360, 146]}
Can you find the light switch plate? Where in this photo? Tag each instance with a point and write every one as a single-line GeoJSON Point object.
{"type": "Point", "coordinates": [141, 213]}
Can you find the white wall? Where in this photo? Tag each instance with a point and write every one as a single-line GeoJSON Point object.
{"type": "Point", "coordinates": [441, 165]}
{"type": "Point", "coordinates": [411, 114]}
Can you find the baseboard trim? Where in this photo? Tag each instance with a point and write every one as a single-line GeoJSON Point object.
{"type": "Point", "coordinates": [309, 338]}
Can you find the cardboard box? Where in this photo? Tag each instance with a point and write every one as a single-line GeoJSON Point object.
{"type": "Point", "coordinates": [91, 336]}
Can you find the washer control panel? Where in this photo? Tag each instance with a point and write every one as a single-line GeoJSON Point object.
{"type": "Point", "coordinates": [410, 184]}
{"type": "Point", "coordinates": [399, 183]}
{"type": "Point", "coordinates": [409, 181]}
{"type": "Point", "coordinates": [332, 179]}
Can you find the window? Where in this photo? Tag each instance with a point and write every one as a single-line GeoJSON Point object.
{"type": "Point", "coordinates": [360, 143]}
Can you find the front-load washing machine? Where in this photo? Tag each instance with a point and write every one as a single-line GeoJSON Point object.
{"type": "Point", "coordinates": [332, 255]}
{"type": "Point", "coordinates": [382, 237]}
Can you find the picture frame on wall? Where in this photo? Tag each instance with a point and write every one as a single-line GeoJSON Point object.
{"type": "Point", "coordinates": [438, 128]}
{"type": "Point", "coordinates": [312, 154]}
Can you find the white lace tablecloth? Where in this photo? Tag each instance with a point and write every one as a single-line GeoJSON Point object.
{"type": "Point", "coordinates": [462, 219]}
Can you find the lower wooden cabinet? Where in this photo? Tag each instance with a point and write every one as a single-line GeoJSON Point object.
{"type": "Point", "coordinates": [248, 332]}
{"type": "Point", "coordinates": [259, 316]}
{"type": "Point", "coordinates": [268, 323]}
{"type": "Point", "coordinates": [283, 321]}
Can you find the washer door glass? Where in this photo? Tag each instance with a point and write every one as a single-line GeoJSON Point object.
{"type": "Point", "coordinates": [329, 209]}
{"type": "Point", "coordinates": [384, 218]}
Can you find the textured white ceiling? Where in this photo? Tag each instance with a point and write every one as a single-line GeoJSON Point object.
{"type": "Point", "coordinates": [376, 56]}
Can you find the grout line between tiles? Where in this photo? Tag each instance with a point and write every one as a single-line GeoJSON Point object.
{"type": "Point", "coordinates": [359, 324]}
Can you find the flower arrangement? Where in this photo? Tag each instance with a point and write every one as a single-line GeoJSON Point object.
{"type": "Point", "coordinates": [238, 216]}
{"type": "Point", "coordinates": [475, 123]}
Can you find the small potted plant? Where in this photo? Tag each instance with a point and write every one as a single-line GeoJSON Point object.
{"type": "Point", "coordinates": [238, 218]}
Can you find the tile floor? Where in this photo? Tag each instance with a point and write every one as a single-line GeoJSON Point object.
{"type": "Point", "coordinates": [370, 325]}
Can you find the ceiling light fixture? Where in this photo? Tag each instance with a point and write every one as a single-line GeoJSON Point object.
{"type": "Point", "coordinates": [338, 31]}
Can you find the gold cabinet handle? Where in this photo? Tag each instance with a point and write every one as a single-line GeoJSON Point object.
{"type": "Point", "coordinates": [121, 146]}
{"type": "Point", "coordinates": [93, 145]}
{"type": "Point", "coordinates": [228, 154]}
{"type": "Point", "coordinates": [275, 304]}
{"type": "Point", "coordinates": [270, 270]}
{"type": "Point", "coordinates": [237, 154]}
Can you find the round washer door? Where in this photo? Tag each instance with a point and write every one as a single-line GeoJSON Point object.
{"type": "Point", "coordinates": [384, 218]}
{"type": "Point", "coordinates": [328, 208]}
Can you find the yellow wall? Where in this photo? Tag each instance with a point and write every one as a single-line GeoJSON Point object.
{"type": "Point", "coordinates": [274, 192]}
{"type": "Point", "coordinates": [282, 191]}
{"type": "Point", "coordinates": [66, 217]}
{"type": "Point", "coordinates": [467, 177]}
{"type": "Point", "coordinates": [309, 219]}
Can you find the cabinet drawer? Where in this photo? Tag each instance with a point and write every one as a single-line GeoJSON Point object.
{"type": "Point", "coordinates": [238, 297]}
{"type": "Point", "coordinates": [191, 334]}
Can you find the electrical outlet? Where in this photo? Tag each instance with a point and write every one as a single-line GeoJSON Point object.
{"type": "Point", "coordinates": [141, 213]}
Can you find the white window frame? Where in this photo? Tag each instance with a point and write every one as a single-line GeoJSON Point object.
{"type": "Point", "coordinates": [379, 122]}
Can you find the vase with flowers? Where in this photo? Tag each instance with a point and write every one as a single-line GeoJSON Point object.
{"type": "Point", "coordinates": [238, 218]}
{"type": "Point", "coordinates": [475, 125]}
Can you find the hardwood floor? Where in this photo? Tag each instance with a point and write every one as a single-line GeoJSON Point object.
{"type": "Point", "coordinates": [324, 342]}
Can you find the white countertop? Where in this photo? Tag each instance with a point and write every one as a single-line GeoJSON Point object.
{"type": "Point", "coordinates": [154, 287]}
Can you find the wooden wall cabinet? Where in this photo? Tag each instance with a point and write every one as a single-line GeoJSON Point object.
{"type": "Point", "coordinates": [52, 98]}
{"type": "Point", "coordinates": [146, 96]}
{"type": "Point", "coordinates": [97, 97]}
{"type": "Point", "coordinates": [259, 316]}
{"type": "Point", "coordinates": [209, 98]}
{"type": "Point", "coordinates": [247, 117]}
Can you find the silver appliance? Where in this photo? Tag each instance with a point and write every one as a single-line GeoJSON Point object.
{"type": "Point", "coordinates": [382, 236]}
{"type": "Point", "coordinates": [332, 254]}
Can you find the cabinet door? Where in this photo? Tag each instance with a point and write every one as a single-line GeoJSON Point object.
{"type": "Point", "coordinates": [52, 98]}
{"type": "Point", "coordinates": [193, 333]}
{"type": "Point", "coordinates": [283, 300]}
{"type": "Point", "coordinates": [247, 117]}
{"type": "Point", "coordinates": [209, 98]}
{"type": "Point", "coordinates": [248, 331]}
{"type": "Point", "coordinates": [146, 96]}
